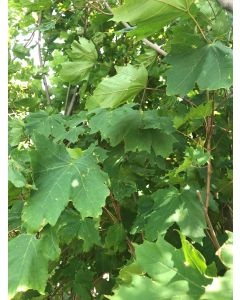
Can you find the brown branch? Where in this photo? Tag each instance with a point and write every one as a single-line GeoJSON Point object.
{"type": "Point", "coordinates": [209, 134]}
{"type": "Point", "coordinates": [116, 207]}
{"type": "Point", "coordinates": [211, 231]}
{"type": "Point", "coordinates": [40, 58]}
{"type": "Point", "coordinates": [145, 41]}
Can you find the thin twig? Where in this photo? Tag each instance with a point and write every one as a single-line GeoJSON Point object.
{"type": "Point", "coordinates": [30, 39]}
{"type": "Point", "coordinates": [209, 3]}
{"type": "Point", "coordinates": [116, 207]}
{"type": "Point", "coordinates": [71, 104]}
{"type": "Point", "coordinates": [211, 231]}
{"type": "Point", "coordinates": [112, 217]}
{"type": "Point", "coordinates": [209, 134]}
{"type": "Point", "coordinates": [40, 58]}
{"type": "Point", "coordinates": [189, 101]}
{"type": "Point", "coordinates": [99, 9]}
{"type": "Point", "coordinates": [145, 41]}
{"type": "Point", "coordinates": [143, 96]}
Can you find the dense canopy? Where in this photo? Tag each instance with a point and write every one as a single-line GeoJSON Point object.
{"type": "Point", "coordinates": [120, 150]}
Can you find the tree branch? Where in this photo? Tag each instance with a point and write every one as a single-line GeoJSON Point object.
{"type": "Point", "coordinates": [145, 41]}
{"type": "Point", "coordinates": [209, 134]}
{"type": "Point", "coordinates": [66, 100]}
{"type": "Point", "coordinates": [40, 59]}
{"type": "Point", "coordinates": [211, 231]}
{"type": "Point", "coordinates": [71, 104]}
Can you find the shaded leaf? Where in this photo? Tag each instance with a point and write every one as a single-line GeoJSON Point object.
{"type": "Point", "coordinates": [210, 67]}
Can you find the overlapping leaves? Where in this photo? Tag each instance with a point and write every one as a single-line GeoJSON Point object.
{"type": "Point", "coordinates": [169, 206]}
{"type": "Point", "coordinates": [168, 276]}
{"type": "Point", "coordinates": [140, 131]}
{"type": "Point", "coordinates": [151, 16]}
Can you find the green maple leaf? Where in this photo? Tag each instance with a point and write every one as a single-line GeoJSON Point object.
{"type": "Point", "coordinates": [210, 67]}
{"type": "Point", "coordinates": [169, 207]}
{"type": "Point", "coordinates": [83, 50]}
{"type": "Point", "coordinates": [70, 226]}
{"type": "Point", "coordinates": [84, 56]}
{"type": "Point", "coordinates": [169, 278]}
{"type": "Point", "coordinates": [118, 89]}
{"type": "Point", "coordinates": [42, 123]}
{"type": "Point", "coordinates": [28, 262]}
{"type": "Point", "coordinates": [58, 179]}
{"type": "Point", "coordinates": [133, 127]}
{"type": "Point", "coordinates": [89, 233]}
{"type": "Point", "coordinates": [150, 16]}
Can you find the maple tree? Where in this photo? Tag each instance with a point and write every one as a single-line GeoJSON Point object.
{"type": "Point", "coordinates": [120, 150]}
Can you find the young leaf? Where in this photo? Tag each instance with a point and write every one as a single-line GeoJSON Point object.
{"type": "Point", "coordinates": [193, 257]}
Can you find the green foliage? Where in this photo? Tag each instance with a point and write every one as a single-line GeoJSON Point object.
{"type": "Point", "coordinates": [28, 261]}
{"type": "Point", "coordinates": [112, 178]}
{"type": "Point", "coordinates": [171, 278]}
{"type": "Point", "coordinates": [210, 67]}
{"type": "Point", "coordinates": [84, 56]}
{"type": "Point", "coordinates": [121, 88]}
{"type": "Point", "coordinates": [152, 16]}
{"type": "Point", "coordinates": [140, 131]}
{"type": "Point", "coordinates": [60, 179]}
